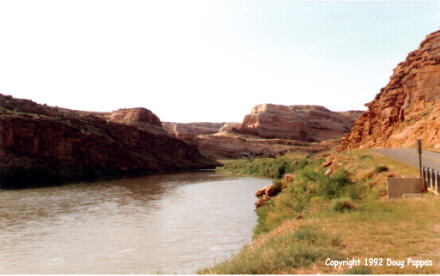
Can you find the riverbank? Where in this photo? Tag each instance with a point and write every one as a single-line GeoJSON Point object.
{"type": "Point", "coordinates": [334, 209]}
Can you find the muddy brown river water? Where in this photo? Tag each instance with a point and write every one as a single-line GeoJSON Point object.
{"type": "Point", "coordinates": [170, 223]}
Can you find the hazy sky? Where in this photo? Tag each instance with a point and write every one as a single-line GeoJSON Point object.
{"type": "Point", "coordinates": [205, 60]}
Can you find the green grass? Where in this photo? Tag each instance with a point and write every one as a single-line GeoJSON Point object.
{"type": "Point", "coordinates": [295, 249]}
{"type": "Point", "coordinates": [359, 270]}
{"type": "Point", "coordinates": [264, 167]}
{"type": "Point", "coordinates": [342, 204]}
{"type": "Point", "coordinates": [297, 198]}
{"type": "Point", "coordinates": [341, 215]}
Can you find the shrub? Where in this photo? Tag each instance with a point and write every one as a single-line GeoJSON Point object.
{"type": "Point", "coordinates": [276, 187]}
{"type": "Point", "coordinates": [342, 204]}
{"type": "Point", "coordinates": [297, 197]}
{"type": "Point", "coordinates": [329, 186]}
{"type": "Point", "coordinates": [359, 270]}
{"type": "Point", "coordinates": [381, 168]}
{"type": "Point", "coordinates": [266, 167]}
{"type": "Point", "coordinates": [365, 157]}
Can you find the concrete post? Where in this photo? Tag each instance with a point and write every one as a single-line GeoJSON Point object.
{"type": "Point", "coordinates": [429, 178]}
{"type": "Point", "coordinates": [436, 181]}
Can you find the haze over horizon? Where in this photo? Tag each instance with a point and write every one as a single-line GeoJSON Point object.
{"type": "Point", "coordinates": [192, 61]}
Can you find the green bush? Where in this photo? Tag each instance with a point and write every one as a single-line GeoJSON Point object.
{"type": "Point", "coordinates": [381, 168]}
{"type": "Point", "coordinates": [342, 204]}
{"type": "Point", "coordinates": [276, 186]}
{"type": "Point", "coordinates": [298, 196]}
{"type": "Point", "coordinates": [329, 186]}
{"type": "Point", "coordinates": [359, 270]}
{"type": "Point", "coordinates": [365, 157]}
{"type": "Point", "coordinates": [265, 167]}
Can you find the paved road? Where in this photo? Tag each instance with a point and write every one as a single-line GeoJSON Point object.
{"type": "Point", "coordinates": [409, 156]}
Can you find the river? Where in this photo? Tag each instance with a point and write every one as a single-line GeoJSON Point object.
{"type": "Point", "coordinates": [168, 223]}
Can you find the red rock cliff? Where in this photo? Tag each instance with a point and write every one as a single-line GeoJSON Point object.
{"type": "Point", "coordinates": [50, 145]}
{"type": "Point", "coordinates": [194, 129]}
{"type": "Point", "coordinates": [299, 122]}
{"type": "Point", "coordinates": [407, 108]}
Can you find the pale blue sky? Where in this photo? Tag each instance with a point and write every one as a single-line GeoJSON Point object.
{"type": "Point", "coordinates": [205, 60]}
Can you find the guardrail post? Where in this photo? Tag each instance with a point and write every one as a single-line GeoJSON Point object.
{"type": "Point", "coordinates": [436, 180]}
{"type": "Point", "coordinates": [423, 176]}
{"type": "Point", "coordinates": [429, 177]}
{"type": "Point", "coordinates": [437, 177]}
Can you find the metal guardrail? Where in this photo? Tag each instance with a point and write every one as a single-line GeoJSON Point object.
{"type": "Point", "coordinates": [431, 179]}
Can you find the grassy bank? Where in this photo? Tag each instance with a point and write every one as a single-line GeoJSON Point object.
{"type": "Point", "coordinates": [338, 215]}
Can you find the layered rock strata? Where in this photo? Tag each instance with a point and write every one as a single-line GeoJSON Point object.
{"type": "Point", "coordinates": [181, 129]}
{"type": "Point", "coordinates": [290, 129]}
{"type": "Point", "coordinates": [46, 145]}
{"type": "Point", "coordinates": [299, 122]}
{"type": "Point", "coordinates": [407, 108]}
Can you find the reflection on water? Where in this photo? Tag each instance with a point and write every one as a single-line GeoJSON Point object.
{"type": "Point", "coordinates": [173, 223]}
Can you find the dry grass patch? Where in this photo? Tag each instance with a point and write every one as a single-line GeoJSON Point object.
{"type": "Point", "coordinates": [342, 215]}
{"type": "Point", "coordinates": [398, 229]}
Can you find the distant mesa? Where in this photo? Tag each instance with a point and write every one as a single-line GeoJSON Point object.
{"type": "Point", "coordinates": [139, 114]}
{"type": "Point", "coordinates": [269, 130]}
{"type": "Point", "coordinates": [300, 122]}
{"type": "Point", "coordinates": [407, 108]}
{"type": "Point", "coordinates": [192, 128]}
{"type": "Point", "coordinates": [139, 117]}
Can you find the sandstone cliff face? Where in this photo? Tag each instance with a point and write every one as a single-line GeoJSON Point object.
{"type": "Point", "coordinates": [291, 129]}
{"type": "Point", "coordinates": [41, 144]}
{"type": "Point", "coordinates": [139, 114]}
{"type": "Point", "coordinates": [229, 127]}
{"type": "Point", "coordinates": [223, 145]}
{"type": "Point", "coordinates": [299, 122]}
{"type": "Point", "coordinates": [194, 129]}
{"type": "Point", "coordinates": [407, 108]}
{"type": "Point", "coordinates": [139, 117]}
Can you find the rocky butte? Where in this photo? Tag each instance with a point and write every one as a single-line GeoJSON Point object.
{"type": "Point", "coordinates": [300, 122]}
{"type": "Point", "coordinates": [407, 108]}
{"type": "Point", "coordinates": [268, 131]}
{"type": "Point", "coordinates": [48, 145]}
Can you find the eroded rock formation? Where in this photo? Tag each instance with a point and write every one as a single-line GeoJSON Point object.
{"type": "Point", "coordinates": [299, 122]}
{"type": "Point", "coordinates": [194, 129]}
{"type": "Point", "coordinates": [291, 129]}
{"type": "Point", "coordinates": [407, 108]}
{"type": "Point", "coordinates": [42, 144]}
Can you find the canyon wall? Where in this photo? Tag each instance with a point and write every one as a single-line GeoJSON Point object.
{"type": "Point", "coordinates": [407, 108]}
{"type": "Point", "coordinates": [290, 129]}
{"type": "Point", "coordinates": [300, 122]}
{"type": "Point", "coordinates": [177, 129]}
{"type": "Point", "coordinates": [41, 144]}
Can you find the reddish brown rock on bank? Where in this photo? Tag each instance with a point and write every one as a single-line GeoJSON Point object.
{"type": "Point", "coordinates": [407, 108]}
